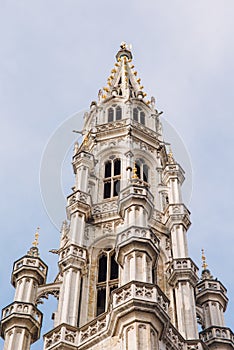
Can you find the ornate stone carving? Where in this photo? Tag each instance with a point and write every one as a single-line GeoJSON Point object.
{"type": "Point", "coordinates": [141, 291]}
{"type": "Point", "coordinates": [23, 309]}
{"type": "Point", "coordinates": [93, 328]}
{"type": "Point", "coordinates": [65, 334]}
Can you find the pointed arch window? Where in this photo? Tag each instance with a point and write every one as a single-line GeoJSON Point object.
{"type": "Point", "coordinates": [112, 176]}
{"type": "Point", "coordinates": [142, 170]}
{"type": "Point", "coordinates": [118, 113]}
{"type": "Point", "coordinates": [114, 113]}
{"type": "Point", "coordinates": [139, 115]}
{"type": "Point", "coordinates": [110, 115]}
{"type": "Point", "coordinates": [108, 273]}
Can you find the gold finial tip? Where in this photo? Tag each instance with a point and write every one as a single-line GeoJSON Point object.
{"type": "Point", "coordinates": [204, 264]}
{"type": "Point", "coordinates": [125, 46]}
{"type": "Point", "coordinates": [35, 242]}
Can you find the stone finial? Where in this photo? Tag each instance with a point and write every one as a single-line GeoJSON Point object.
{"type": "Point", "coordinates": [33, 251]}
{"type": "Point", "coordinates": [125, 50]}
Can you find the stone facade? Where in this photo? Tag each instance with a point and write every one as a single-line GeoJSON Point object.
{"type": "Point", "coordinates": [126, 281]}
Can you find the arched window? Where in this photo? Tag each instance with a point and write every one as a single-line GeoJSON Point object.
{"type": "Point", "coordinates": [139, 115]}
{"type": "Point", "coordinates": [110, 115]}
{"type": "Point", "coordinates": [142, 118]}
{"type": "Point", "coordinates": [114, 113]}
{"type": "Point", "coordinates": [108, 273]}
{"type": "Point", "coordinates": [102, 268]}
{"type": "Point", "coordinates": [118, 113]}
{"type": "Point", "coordinates": [112, 176]}
{"type": "Point", "coordinates": [135, 114]}
{"type": "Point", "coordinates": [142, 170]}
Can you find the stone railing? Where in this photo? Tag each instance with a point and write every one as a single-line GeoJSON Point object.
{"type": "Point", "coordinates": [65, 334]}
{"type": "Point", "coordinates": [212, 285]}
{"type": "Point", "coordinates": [137, 232]}
{"type": "Point", "coordinates": [79, 196]}
{"type": "Point", "coordinates": [146, 130]}
{"type": "Point", "coordinates": [181, 264]}
{"type": "Point", "coordinates": [219, 333]}
{"type": "Point", "coordinates": [173, 210]}
{"type": "Point", "coordinates": [109, 206]}
{"type": "Point", "coordinates": [94, 328]}
{"type": "Point", "coordinates": [113, 125]}
{"type": "Point", "coordinates": [73, 250]}
{"type": "Point", "coordinates": [22, 309]}
{"type": "Point", "coordinates": [182, 268]}
{"type": "Point", "coordinates": [136, 190]}
{"type": "Point", "coordinates": [157, 215]}
{"type": "Point", "coordinates": [175, 340]}
{"type": "Point", "coordinates": [31, 262]}
{"type": "Point", "coordinates": [140, 291]}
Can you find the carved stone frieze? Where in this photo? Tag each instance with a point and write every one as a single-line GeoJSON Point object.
{"type": "Point", "coordinates": [141, 291]}
{"type": "Point", "coordinates": [63, 334]}
{"type": "Point", "coordinates": [182, 269]}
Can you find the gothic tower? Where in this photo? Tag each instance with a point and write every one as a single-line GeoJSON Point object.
{"type": "Point", "coordinates": [125, 281]}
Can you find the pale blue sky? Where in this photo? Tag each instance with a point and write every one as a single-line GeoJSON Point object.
{"type": "Point", "coordinates": [54, 57]}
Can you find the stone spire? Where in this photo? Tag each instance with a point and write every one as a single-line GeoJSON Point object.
{"type": "Point", "coordinates": [123, 80]}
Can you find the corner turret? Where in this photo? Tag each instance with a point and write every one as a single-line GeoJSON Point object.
{"type": "Point", "coordinates": [212, 300]}
{"type": "Point", "coordinates": [21, 320]}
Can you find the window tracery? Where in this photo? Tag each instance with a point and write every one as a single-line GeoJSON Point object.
{"type": "Point", "coordinates": [114, 113]}
{"type": "Point", "coordinates": [142, 170]}
{"type": "Point", "coordinates": [112, 176]}
{"type": "Point", "coordinates": [108, 273]}
{"type": "Point", "coordinates": [139, 115]}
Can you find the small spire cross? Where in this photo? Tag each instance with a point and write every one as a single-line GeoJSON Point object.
{"type": "Point", "coordinates": [204, 264]}
{"type": "Point", "coordinates": [35, 242]}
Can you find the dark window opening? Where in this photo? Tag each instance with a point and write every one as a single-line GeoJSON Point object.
{"type": "Point", "coordinates": [101, 301]}
{"type": "Point", "coordinates": [110, 115]}
{"type": "Point", "coordinates": [117, 167]}
{"type": "Point", "coordinates": [108, 272]}
{"type": "Point", "coordinates": [135, 114]}
{"type": "Point", "coordinates": [112, 176]}
{"type": "Point", "coordinates": [107, 189]}
{"type": "Point", "coordinates": [142, 170]}
{"type": "Point", "coordinates": [142, 118]}
{"type": "Point", "coordinates": [116, 188]}
{"type": "Point", "coordinates": [120, 92]}
{"type": "Point", "coordinates": [102, 268]}
{"type": "Point", "coordinates": [118, 113]}
{"type": "Point", "coordinates": [114, 268]}
{"type": "Point", "coordinates": [107, 169]}
{"type": "Point", "coordinates": [138, 171]}
{"type": "Point", "coordinates": [145, 173]}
